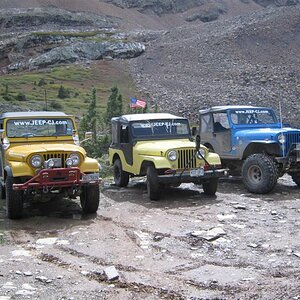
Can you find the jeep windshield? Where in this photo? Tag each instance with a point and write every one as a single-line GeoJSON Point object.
{"type": "Point", "coordinates": [250, 116]}
{"type": "Point", "coordinates": [153, 129]}
{"type": "Point", "coordinates": [40, 127]}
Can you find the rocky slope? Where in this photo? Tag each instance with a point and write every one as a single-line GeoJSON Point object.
{"type": "Point", "coordinates": [250, 59]}
{"type": "Point", "coordinates": [197, 52]}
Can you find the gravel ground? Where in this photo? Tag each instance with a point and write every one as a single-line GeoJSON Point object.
{"type": "Point", "coordinates": [186, 246]}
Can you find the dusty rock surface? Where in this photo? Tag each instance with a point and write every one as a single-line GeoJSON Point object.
{"type": "Point", "coordinates": [251, 59]}
{"type": "Point", "coordinates": [186, 246]}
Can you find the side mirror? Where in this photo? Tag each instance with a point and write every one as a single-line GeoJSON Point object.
{"type": "Point", "coordinates": [88, 135]}
{"type": "Point", "coordinates": [198, 141]}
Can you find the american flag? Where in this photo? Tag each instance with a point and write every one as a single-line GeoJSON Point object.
{"type": "Point", "coordinates": [135, 103]}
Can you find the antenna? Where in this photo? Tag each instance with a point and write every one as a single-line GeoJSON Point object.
{"type": "Point", "coordinates": [280, 119]}
{"type": "Point", "coordinates": [280, 114]}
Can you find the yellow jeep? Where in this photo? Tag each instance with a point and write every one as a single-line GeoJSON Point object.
{"type": "Point", "coordinates": [41, 158]}
{"type": "Point", "coordinates": [159, 145]}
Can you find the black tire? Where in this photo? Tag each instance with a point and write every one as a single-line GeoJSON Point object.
{"type": "Point", "coordinates": [296, 179]}
{"type": "Point", "coordinates": [153, 187]}
{"type": "Point", "coordinates": [2, 191]}
{"type": "Point", "coordinates": [210, 187]}
{"type": "Point", "coordinates": [259, 174]}
{"type": "Point", "coordinates": [121, 177]}
{"type": "Point", "coordinates": [89, 198]}
{"type": "Point", "coordinates": [14, 200]}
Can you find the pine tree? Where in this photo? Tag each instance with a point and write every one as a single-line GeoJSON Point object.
{"type": "Point", "coordinates": [114, 105]}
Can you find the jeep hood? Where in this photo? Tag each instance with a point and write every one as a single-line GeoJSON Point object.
{"type": "Point", "coordinates": [21, 152]}
{"type": "Point", "coordinates": [160, 147]}
{"type": "Point", "coordinates": [263, 133]}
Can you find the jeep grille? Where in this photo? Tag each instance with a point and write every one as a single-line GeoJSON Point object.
{"type": "Point", "coordinates": [186, 159]}
{"type": "Point", "coordinates": [291, 140]}
{"type": "Point", "coordinates": [63, 156]}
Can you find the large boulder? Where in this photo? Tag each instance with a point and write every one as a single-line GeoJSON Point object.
{"type": "Point", "coordinates": [85, 51]}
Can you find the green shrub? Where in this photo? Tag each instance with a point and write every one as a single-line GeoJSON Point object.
{"type": "Point", "coordinates": [21, 97]}
{"type": "Point", "coordinates": [55, 105]}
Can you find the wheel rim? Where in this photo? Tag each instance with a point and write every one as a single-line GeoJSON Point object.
{"type": "Point", "coordinates": [255, 174]}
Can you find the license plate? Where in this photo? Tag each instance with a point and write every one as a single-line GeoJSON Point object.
{"type": "Point", "coordinates": [197, 172]}
{"type": "Point", "coordinates": [90, 177]}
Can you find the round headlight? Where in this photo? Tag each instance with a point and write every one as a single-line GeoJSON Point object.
{"type": "Point", "coordinates": [36, 161]}
{"type": "Point", "coordinates": [281, 138]}
{"type": "Point", "coordinates": [201, 154]}
{"type": "Point", "coordinates": [172, 155]}
{"type": "Point", "coordinates": [75, 159]}
{"type": "Point", "coordinates": [51, 163]}
{"type": "Point", "coordinates": [69, 162]}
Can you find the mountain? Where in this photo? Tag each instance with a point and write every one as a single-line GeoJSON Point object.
{"type": "Point", "coordinates": [181, 55]}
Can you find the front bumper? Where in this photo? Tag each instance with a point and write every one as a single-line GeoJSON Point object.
{"type": "Point", "coordinates": [49, 179]}
{"type": "Point", "coordinates": [186, 176]}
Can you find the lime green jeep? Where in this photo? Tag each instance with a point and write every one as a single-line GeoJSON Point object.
{"type": "Point", "coordinates": [41, 158]}
{"type": "Point", "coordinates": [159, 145]}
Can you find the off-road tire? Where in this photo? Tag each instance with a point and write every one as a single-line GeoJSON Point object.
{"type": "Point", "coordinates": [14, 200]}
{"type": "Point", "coordinates": [153, 187]}
{"type": "Point", "coordinates": [210, 187]}
{"type": "Point", "coordinates": [89, 198]}
{"type": "Point", "coordinates": [296, 179]}
{"type": "Point", "coordinates": [121, 177]}
{"type": "Point", "coordinates": [2, 191]}
{"type": "Point", "coordinates": [259, 173]}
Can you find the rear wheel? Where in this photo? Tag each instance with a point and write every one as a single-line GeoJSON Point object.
{"type": "Point", "coordinates": [210, 187]}
{"type": "Point", "coordinates": [153, 187]}
{"type": "Point", "coordinates": [121, 177]}
{"type": "Point", "coordinates": [14, 199]}
{"type": "Point", "coordinates": [89, 198]}
{"type": "Point", "coordinates": [259, 173]}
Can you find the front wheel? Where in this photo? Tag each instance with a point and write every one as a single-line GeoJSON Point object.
{"type": "Point", "coordinates": [14, 199]}
{"type": "Point", "coordinates": [210, 187]}
{"type": "Point", "coordinates": [296, 179]}
{"type": "Point", "coordinates": [152, 183]}
{"type": "Point", "coordinates": [259, 174]}
{"type": "Point", "coordinates": [89, 198]}
{"type": "Point", "coordinates": [121, 177]}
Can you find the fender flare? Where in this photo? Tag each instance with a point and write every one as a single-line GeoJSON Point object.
{"type": "Point", "coordinates": [7, 172]}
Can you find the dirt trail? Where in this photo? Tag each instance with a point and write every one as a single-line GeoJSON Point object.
{"type": "Point", "coordinates": [186, 246]}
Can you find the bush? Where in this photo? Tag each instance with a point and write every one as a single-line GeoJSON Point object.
{"type": "Point", "coordinates": [55, 105]}
{"type": "Point", "coordinates": [106, 170]}
{"type": "Point", "coordinates": [63, 93]}
{"type": "Point", "coordinates": [21, 97]}
{"type": "Point", "coordinates": [42, 82]}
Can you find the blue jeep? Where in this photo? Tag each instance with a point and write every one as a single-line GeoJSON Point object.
{"type": "Point", "coordinates": [252, 142]}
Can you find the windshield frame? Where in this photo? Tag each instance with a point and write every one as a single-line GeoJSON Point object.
{"type": "Point", "coordinates": [34, 127]}
{"type": "Point", "coordinates": [243, 116]}
{"type": "Point", "coordinates": [153, 126]}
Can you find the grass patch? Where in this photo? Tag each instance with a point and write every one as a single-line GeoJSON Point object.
{"type": "Point", "coordinates": [78, 79]}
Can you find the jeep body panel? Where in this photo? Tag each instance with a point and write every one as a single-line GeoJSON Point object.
{"type": "Point", "coordinates": [155, 152]}
{"type": "Point", "coordinates": [234, 141]}
{"type": "Point", "coordinates": [160, 146]}
{"type": "Point", "coordinates": [252, 140]}
{"type": "Point", "coordinates": [41, 155]}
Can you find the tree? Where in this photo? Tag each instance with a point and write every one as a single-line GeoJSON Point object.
{"type": "Point", "coordinates": [114, 105]}
{"type": "Point", "coordinates": [63, 93]}
{"type": "Point", "coordinates": [92, 121]}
